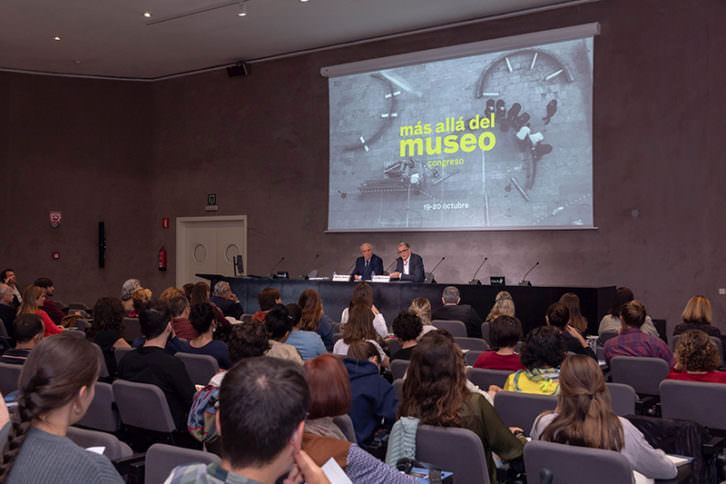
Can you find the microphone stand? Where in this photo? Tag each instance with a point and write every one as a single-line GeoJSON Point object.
{"type": "Point", "coordinates": [474, 280]}
{"type": "Point", "coordinates": [433, 281]}
{"type": "Point", "coordinates": [276, 264]}
{"type": "Point", "coordinates": [524, 281]}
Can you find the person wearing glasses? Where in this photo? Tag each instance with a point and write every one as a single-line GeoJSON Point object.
{"type": "Point", "coordinates": [409, 266]}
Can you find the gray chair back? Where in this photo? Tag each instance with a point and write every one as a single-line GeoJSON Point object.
{"type": "Point", "coordinates": [476, 344]}
{"type": "Point", "coordinates": [453, 449]}
{"type": "Point", "coordinates": [521, 409]}
{"type": "Point", "coordinates": [143, 405]}
{"type": "Point", "coordinates": [398, 388]}
{"type": "Point", "coordinates": [570, 464]}
{"type": "Point", "coordinates": [483, 377]}
{"type": "Point", "coordinates": [606, 336]}
{"type": "Point", "coordinates": [623, 398]}
{"type": "Point", "coordinates": [642, 373]}
{"type": "Point", "coordinates": [131, 329]}
{"type": "Point", "coordinates": [199, 367]}
{"type": "Point", "coordinates": [699, 402]}
{"type": "Point", "coordinates": [471, 356]}
{"type": "Point", "coordinates": [161, 459]}
{"type": "Point", "coordinates": [9, 376]}
{"type": "Point", "coordinates": [485, 327]}
{"type": "Point", "coordinates": [119, 353]}
{"type": "Point", "coordinates": [398, 368]}
{"type": "Point", "coordinates": [102, 414]}
{"type": "Point", "coordinates": [394, 346]}
{"type": "Point", "coordinates": [345, 423]}
{"type": "Point", "coordinates": [113, 447]}
{"type": "Point", "coordinates": [456, 328]}
{"type": "Point", "coordinates": [104, 369]}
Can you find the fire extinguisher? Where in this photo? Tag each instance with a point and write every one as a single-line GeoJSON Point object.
{"type": "Point", "coordinates": [162, 259]}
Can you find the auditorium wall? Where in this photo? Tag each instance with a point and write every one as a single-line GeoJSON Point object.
{"type": "Point", "coordinates": [130, 153]}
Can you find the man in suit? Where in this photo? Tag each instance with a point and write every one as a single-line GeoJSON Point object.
{"type": "Point", "coordinates": [7, 310]}
{"type": "Point", "coordinates": [409, 267]}
{"type": "Point", "coordinates": [367, 264]}
{"type": "Point", "coordinates": [452, 310]}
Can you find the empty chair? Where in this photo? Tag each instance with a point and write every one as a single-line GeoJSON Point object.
{"type": "Point", "coordinates": [699, 402]}
{"type": "Point", "coordinates": [456, 328]}
{"type": "Point", "coordinates": [130, 329]}
{"type": "Point", "coordinates": [642, 373]}
{"type": "Point", "coordinates": [9, 375]}
{"type": "Point", "coordinates": [104, 369]}
{"type": "Point", "coordinates": [483, 377]}
{"type": "Point", "coordinates": [476, 344]}
{"type": "Point", "coordinates": [623, 398]}
{"type": "Point", "coordinates": [101, 413]}
{"type": "Point", "coordinates": [113, 447]}
{"type": "Point", "coordinates": [485, 327]}
{"type": "Point", "coordinates": [345, 424]}
{"type": "Point", "coordinates": [199, 367]}
{"type": "Point", "coordinates": [398, 368]}
{"type": "Point", "coordinates": [570, 464]}
{"type": "Point", "coordinates": [398, 388]}
{"type": "Point", "coordinates": [453, 449]}
{"type": "Point", "coordinates": [143, 405]}
{"type": "Point", "coordinates": [162, 458]}
{"type": "Point", "coordinates": [471, 356]}
{"type": "Point", "coordinates": [119, 353]}
{"type": "Point", "coordinates": [521, 409]}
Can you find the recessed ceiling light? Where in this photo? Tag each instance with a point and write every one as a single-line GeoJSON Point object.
{"type": "Point", "coordinates": [147, 14]}
{"type": "Point", "coordinates": [304, 1]}
{"type": "Point", "coordinates": [56, 38]}
{"type": "Point", "coordinates": [242, 12]}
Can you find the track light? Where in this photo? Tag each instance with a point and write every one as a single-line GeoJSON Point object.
{"type": "Point", "coordinates": [242, 11]}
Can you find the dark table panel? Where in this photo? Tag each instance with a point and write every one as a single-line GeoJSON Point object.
{"type": "Point", "coordinates": [391, 298]}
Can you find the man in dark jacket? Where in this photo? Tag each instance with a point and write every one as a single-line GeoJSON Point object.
{"type": "Point", "coordinates": [453, 311]}
{"type": "Point", "coordinates": [226, 300]}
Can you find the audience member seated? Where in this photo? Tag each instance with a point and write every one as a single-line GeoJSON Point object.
{"type": "Point", "coordinates": [50, 306]}
{"type": "Point", "coordinates": [558, 316]}
{"type": "Point", "coordinates": [421, 307]}
{"type": "Point", "coordinates": [55, 389]}
{"type": "Point", "coordinates": [226, 300]}
{"type": "Point", "coordinates": [330, 396]}
{"type": "Point", "coordinates": [180, 309]}
{"type": "Point", "coordinates": [203, 320]}
{"type": "Point", "coordinates": [313, 318]}
{"type": "Point", "coordinates": [697, 359]}
{"type": "Point", "coordinates": [503, 306]}
{"type": "Point", "coordinates": [373, 397]}
{"type": "Point", "coordinates": [127, 289]}
{"type": "Point", "coordinates": [697, 315]}
{"type": "Point", "coordinates": [7, 309]}
{"type": "Point", "coordinates": [267, 298]}
{"type": "Point", "coordinates": [407, 327]}
{"type": "Point", "coordinates": [610, 323]}
{"type": "Point", "coordinates": [151, 364]}
{"type": "Point", "coordinates": [304, 338]}
{"type": "Point", "coordinates": [359, 328]}
{"type": "Point", "coordinates": [363, 294]}
{"type": "Point", "coordinates": [33, 299]}
{"type": "Point", "coordinates": [541, 355]}
{"type": "Point", "coordinates": [28, 333]}
{"type": "Point", "coordinates": [504, 333]}
{"type": "Point", "coordinates": [262, 408]}
{"type": "Point", "coordinates": [435, 391]}
{"type": "Point", "coordinates": [246, 340]}
{"type": "Point", "coordinates": [200, 294]}
{"type": "Point", "coordinates": [169, 293]}
{"type": "Point", "coordinates": [8, 278]}
{"type": "Point", "coordinates": [452, 310]}
{"type": "Point", "coordinates": [140, 297]}
{"type": "Point", "coordinates": [187, 290]}
{"type": "Point", "coordinates": [632, 341]}
{"type": "Point", "coordinates": [584, 417]}
{"type": "Point", "coordinates": [108, 315]}
{"type": "Point", "coordinates": [577, 320]}
{"type": "Point", "coordinates": [279, 325]}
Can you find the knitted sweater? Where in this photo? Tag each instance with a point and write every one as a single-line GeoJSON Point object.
{"type": "Point", "coordinates": [46, 457]}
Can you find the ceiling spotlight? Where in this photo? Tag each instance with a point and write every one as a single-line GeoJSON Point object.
{"type": "Point", "coordinates": [304, 1]}
{"type": "Point", "coordinates": [147, 14]}
{"type": "Point", "coordinates": [56, 38]}
{"type": "Point", "coordinates": [242, 11]}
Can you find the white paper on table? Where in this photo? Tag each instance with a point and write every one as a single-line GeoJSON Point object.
{"type": "Point", "coordinates": [96, 450]}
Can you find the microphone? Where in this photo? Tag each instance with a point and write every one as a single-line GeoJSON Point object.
{"type": "Point", "coordinates": [433, 281]}
{"type": "Point", "coordinates": [312, 272]}
{"type": "Point", "coordinates": [277, 264]}
{"type": "Point", "coordinates": [350, 268]}
{"type": "Point", "coordinates": [474, 280]}
{"type": "Point", "coordinates": [524, 281]}
{"type": "Point", "coordinates": [388, 269]}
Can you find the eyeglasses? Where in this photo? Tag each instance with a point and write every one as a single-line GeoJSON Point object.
{"type": "Point", "coordinates": [402, 251]}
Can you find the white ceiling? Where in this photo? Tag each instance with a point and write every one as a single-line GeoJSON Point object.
{"type": "Point", "coordinates": [111, 38]}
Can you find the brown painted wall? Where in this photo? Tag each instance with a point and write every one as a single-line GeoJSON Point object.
{"type": "Point", "coordinates": [131, 153]}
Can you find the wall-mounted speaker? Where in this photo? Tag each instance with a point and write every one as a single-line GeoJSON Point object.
{"type": "Point", "coordinates": [101, 245]}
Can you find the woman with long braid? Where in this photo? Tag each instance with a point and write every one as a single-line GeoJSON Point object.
{"type": "Point", "coordinates": [55, 389]}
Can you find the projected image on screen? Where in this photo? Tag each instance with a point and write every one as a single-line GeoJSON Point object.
{"type": "Point", "coordinates": [500, 140]}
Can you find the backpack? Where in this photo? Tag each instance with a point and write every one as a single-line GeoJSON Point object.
{"type": "Point", "coordinates": [202, 418]}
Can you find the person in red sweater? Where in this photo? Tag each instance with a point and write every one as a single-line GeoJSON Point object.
{"type": "Point", "coordinates": [505, 332]}
{"type": "Point", "coordinates": [50, 306]}
{"type": "Point", "coordinates": [33, 299]}
{"type": "Point", "coordinates": [697, 359]}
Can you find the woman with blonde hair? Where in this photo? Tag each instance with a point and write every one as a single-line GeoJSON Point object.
{"type": "Point", "coordinates": [584, 417]}
{"type": "Point", "coordinates": [33, 299]}
{"type": "Point", "coordinates": [697, 315]}
{"type": "Point", "coordinates": [421, 307]}
{"type": "Point", "coordinates": [503, 306]}
{"type": "Point", "coordinates": [697, 359]}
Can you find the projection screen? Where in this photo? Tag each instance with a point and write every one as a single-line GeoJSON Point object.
{"type": "Point", "coordinates": [493, 135]}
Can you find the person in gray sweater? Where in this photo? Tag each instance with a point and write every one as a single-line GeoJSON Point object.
{"type": "Point", "coordinates": [55, 389]}
{"type": "Point", "coordinates": [583, 393]}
